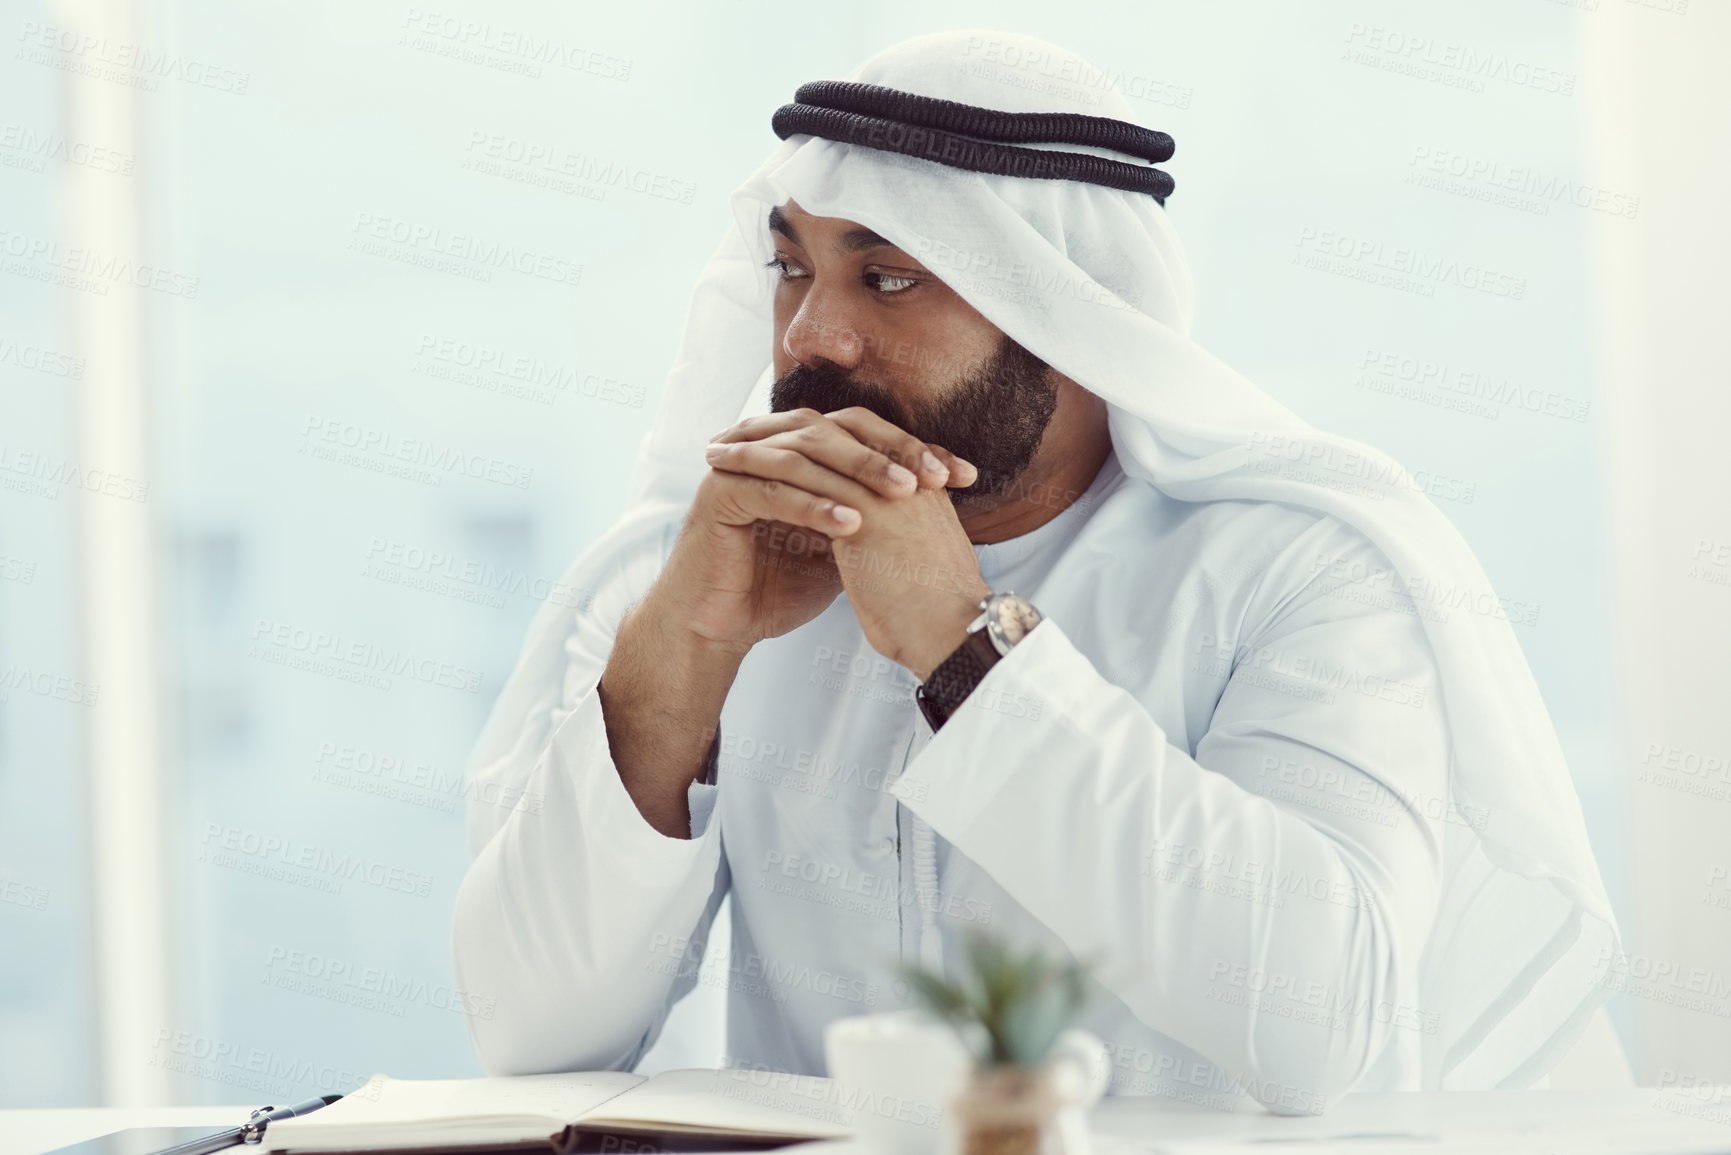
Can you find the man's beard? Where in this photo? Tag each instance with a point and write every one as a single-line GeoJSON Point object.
{"type": "Point", "coordinates": [994, 417]}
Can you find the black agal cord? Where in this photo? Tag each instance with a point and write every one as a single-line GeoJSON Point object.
{"type": "Point", "coordinates": [977, 139]}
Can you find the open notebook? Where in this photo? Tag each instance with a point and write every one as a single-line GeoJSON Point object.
{"type": "Point", "coordinates": [555, 1111]}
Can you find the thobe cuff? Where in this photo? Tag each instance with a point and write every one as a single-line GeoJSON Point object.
{"type": "Point", "coordinates": [583, 736]}
{"type": "Point", "coordinates": [701, 798]}
{"type": "Point", "coordinates": [1044, 681]}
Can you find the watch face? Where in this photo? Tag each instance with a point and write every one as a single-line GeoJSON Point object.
{"type": "Point", "coordinates": [1017, 616]}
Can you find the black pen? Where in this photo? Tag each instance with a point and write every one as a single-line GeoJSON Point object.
{"type": "Point", "coordinates": [251, 1131]}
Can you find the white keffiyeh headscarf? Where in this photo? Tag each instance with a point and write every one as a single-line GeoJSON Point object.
{"type": "Point", "coordinates": [1094, 282]}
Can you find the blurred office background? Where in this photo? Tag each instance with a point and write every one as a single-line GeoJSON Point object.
{"type": "Point", "coordinates": [254, 259]}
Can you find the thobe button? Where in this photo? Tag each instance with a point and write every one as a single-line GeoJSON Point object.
{"type": "Point", "coordinates": [886, 846]}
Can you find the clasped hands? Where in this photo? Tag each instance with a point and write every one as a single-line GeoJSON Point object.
{"type": "Point", "coordinates": [889, 531]}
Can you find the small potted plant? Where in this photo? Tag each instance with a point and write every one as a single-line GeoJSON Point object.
{"type": "Point", "coordinates": [1010, 1008]}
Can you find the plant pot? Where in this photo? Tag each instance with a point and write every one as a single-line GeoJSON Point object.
{"type": "Point", "coordinates": [1006, 1110]}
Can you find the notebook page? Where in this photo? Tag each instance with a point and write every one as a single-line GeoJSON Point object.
{"type": "Point", "coordinates": [387, 1108]}
{"type": "Point", "coordinates": [728, 1102]}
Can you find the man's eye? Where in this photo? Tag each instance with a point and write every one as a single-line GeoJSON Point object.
{"type": "Point", "coordinates": [888, 283]}
{"type": "Point", "coordinates": [781, 265]}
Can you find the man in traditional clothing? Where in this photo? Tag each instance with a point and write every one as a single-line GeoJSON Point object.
{"type": "Point", "coordinates": [960, 590]}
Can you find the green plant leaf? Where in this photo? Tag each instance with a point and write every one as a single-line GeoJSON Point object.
{"type": "Point", "coordinates": [936, 994]}
{"type": "Point", "coordinates": [1009, 1006]}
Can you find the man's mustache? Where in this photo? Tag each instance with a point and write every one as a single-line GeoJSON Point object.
{"type": "Point", "coordinates": [826, 387]}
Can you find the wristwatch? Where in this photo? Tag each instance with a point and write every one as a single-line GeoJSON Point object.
{"type": "Point", "coordinates": [1004, 620]}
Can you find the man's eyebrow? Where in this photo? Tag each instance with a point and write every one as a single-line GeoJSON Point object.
{"type": "Point", "coordinates": [853, 241]}
{"type": "Point", "coordinates": [862, 239]}
{"type": "Point", "coordinates": [778, 223]}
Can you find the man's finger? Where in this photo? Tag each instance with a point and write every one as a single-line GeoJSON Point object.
{"type": "Point", "coordinates": [936, 465]}
{"type": "Point", "coordinates": [829, 444]}
{"type": "Point", "coordinates": [835, 448]}
{"type": "Point", "coordinates": [896, 445]}
{"type": "Point", "coordinates": [742, 500]}
{"type": "Point", "coordinates": [780, 463]}
{"type": "Point", "coordinates": [961, 473]}
{"type": "Point", "coordinates": [765, 425]}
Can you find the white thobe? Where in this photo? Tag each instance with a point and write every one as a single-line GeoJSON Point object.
{"type": "Point", "coordinates": [1216, 771]}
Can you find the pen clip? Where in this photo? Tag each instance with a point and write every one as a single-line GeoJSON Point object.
{"type": "Point", "coordinates": [252, 1130]}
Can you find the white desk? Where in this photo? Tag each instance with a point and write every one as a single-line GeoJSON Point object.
{"type": "Point", "coordinates": [1544, 1122]}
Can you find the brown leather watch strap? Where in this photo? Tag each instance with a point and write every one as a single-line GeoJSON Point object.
{"type": "Point", "coordinates": [955, 677]}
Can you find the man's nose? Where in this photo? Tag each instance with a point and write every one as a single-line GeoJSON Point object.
{"type": "Point", "coordinates": [824, 328]}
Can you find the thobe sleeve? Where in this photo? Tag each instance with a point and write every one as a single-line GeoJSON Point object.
{"type": "Point", "coordinates": [578, 925]}
{"type": "Point", "coordinates": [1264, 902]}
